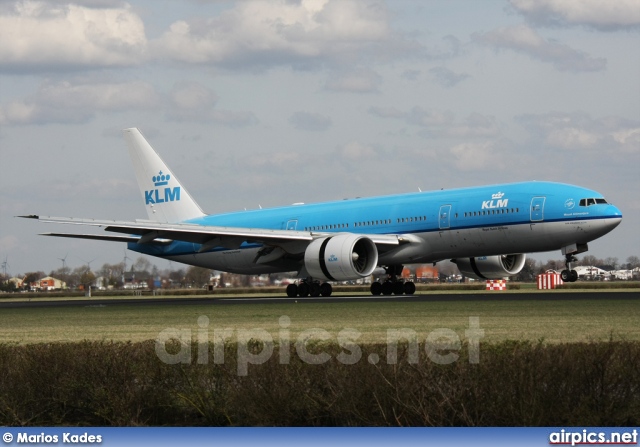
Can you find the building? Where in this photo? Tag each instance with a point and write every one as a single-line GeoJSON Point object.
{"type": "Point", "coordinates": [588, 272]}
{"type": "Point", "coordinates": [48, 284]}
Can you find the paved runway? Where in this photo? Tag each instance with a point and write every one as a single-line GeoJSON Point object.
{"type": "Point", "coordinates": [257, 299]}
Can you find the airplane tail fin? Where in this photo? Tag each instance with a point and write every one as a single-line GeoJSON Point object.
{"type": "Point", "coordinates": [166, 200]}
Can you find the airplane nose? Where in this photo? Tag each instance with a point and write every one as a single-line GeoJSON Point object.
{"type": "Point", "coordinates": [614, 216]}
{"type": "Point", "coordinates": [613, 211]}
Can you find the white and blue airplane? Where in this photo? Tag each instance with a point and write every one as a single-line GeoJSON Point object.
{"type": "Point", "coordinates": [486, 230]}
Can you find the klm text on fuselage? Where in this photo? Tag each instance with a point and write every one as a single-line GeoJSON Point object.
{"type": "Point", "coordinates": [489, 204]}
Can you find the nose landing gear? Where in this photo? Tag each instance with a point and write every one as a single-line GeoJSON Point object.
{"type": "Point", "coordinates": [568, 274]}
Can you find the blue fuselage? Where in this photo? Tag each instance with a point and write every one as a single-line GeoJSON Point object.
{"type": "Point", "coordinates": [482, 221]}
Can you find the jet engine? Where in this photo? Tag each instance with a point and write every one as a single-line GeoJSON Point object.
{"type": "Point", "coordinates": [341, 257]}
{"type": "Point", "coordinates": [491, 267]}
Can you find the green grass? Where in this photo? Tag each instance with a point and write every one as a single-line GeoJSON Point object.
{"type": "Point", "coordinates": [551, 321]}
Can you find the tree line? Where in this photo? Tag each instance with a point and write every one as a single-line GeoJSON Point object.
{"type": "Point", "coordinates": [116, 275]}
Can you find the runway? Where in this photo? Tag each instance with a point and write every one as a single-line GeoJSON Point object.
{"type": "Point", "coordinates": [257, 299]}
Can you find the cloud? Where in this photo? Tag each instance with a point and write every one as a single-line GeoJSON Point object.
{"type": "Point", "coordinates": [443, 123]}
{"type": "Point", "coordinates": [579, 132]}
{"type": "Point", "coordinates": [75, 103]}
{"type": "Point", "coordinates": [449, 47]}
{"type": "Point", "coordinates": [355, 151]}
{"type": "Point", "coordinates": [411, 75]}
{"type": "Point", "coordinates": [7, 244]}
{"type": "Point", "coordinates": [65, 102]}
{"type": "Point", "coordinates": [446, 77]}
{"type": "Point", "coordinates": [355, 81]}
{"type": "Point", "coordinates": [102, 188]}
{"type": "Point", "coordinates": [193, 102]}
{"type": "Point", "coordinates": [603, 15]}
{"type": "Point", "coordinates": [257, 34]}
{"type": "Point", "coordinates": [310, 121]}
{"type": "Point", "coordinates": [192, 96]}
{"type": "Point", "coordinates": [387, 112]}
{"type": "Point", "coordinates": [477, 156]}
{"type": "Point", "coordinates": [64, 36]}
{"type": "Point", "coordinates": [526, 40]}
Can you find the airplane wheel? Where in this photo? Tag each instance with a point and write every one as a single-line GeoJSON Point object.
{"type": "Point", "coordinates": [303, 290]}
{"type": "Point", "coordinates": [292, 290]}
{"type": "Point", "coordinates": [314, 290]}
{"type": "Point", "coordinates": [564, 275]}
{"type": "Point", "coordinates": [326, 289]}
{"type": "Point", "coordinates": [376, 288]}
{"type": "Point", "coordinates": [573, 276]}
{"type": "Point", "coordinates": [387, 288]}
{"type": "Point", "coordinates": [409, 288]}
{"type": "Point", "coordinates": [398, 288]}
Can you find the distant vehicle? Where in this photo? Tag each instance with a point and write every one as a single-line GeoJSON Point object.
{"type": "Point", "coordinates": [486, 230]}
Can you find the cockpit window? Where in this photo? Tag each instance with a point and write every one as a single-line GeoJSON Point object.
{"type": "Point", "coordinates": [589, 202]}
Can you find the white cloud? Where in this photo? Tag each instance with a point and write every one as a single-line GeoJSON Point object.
{"type": "Point", "coordinates": [446, 77]}
{"type": "Point", "coordinates": [604, 15]}
{"type": "Point", "coordinates": [580, 132]}
{"type": "Point", "coordinates": [230, 118]}
{"type": "Point", "coordinates": [476, 156]}
{"type": "Point", "coordinates": [355, 81]}
{"type": "Point", "coordinates": [628, 139]}
{"type": "Point", "coordinates": [264, 34]}
{"type": "Point", "coordinates": [356, 151]}
{"type": "Point", "coordinates": [430, 118]}
{"type": "Point", "coordinates": [526, 40]}
{"type": "Point", "coordinates": [572, 138]}
{"type": "Point", "coordinates": [7, 244]}
{"type": "Point", "coordinates": [65, 102]}
{"type": "Point", "coordinates": [386, 112]}
{"type": "Point", "coordinates": [443, 123]}
{"type": "Point", "coordinates": [310, 121]}
{"type": "Point", "coordinates": [193, 102]}
{"type": "Point", "coordinates": [57, 36]}
{"type": "Point", "coordinates": [192, 96]}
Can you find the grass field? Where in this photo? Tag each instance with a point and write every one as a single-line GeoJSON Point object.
{"type": "Point", "coordinates": [568, 362]}
{"type": "Point", "coordinates": [551, 321]}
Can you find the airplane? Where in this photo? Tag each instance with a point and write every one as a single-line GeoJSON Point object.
{"type": "Point", "coordinates": [485, 230]}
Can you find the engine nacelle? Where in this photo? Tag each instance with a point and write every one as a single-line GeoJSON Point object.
{"type": "Point", "coordinates": [341, 257]}
{"type": "Point", "coordinates": [491, 267]}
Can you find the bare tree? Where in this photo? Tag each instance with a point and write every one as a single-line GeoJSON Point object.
{"type": "Point", "coordinates": [633, 262]}
{"type": "Point", "coordinates": [197, 276]}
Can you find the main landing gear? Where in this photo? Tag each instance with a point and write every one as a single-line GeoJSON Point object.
{"type": "Point", "coordinates": [308, 287]}
{"type": "Point", "coordinates": [393, 285]}
{"type": "Point", "coordinates": [569, 275]}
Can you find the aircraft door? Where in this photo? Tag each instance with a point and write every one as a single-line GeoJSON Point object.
{"type": "Point", "coordinates": [445, 211]}
{"type": "Point", "coordinates": [537, 209]}
{"type": "Point", "coordinates": [292, 225]}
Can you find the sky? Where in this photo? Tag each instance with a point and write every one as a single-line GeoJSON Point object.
{"type": "Point", "coordinates": [269, 103]}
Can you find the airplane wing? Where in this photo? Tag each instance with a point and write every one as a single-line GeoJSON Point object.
{"type": "Point", "coordinates": [148, 232]}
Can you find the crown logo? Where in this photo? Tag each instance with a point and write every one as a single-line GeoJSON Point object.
{"type": "Point", "coordinates": [497, 195]}
{"type": "Point", "coordinates": [161, 179]}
